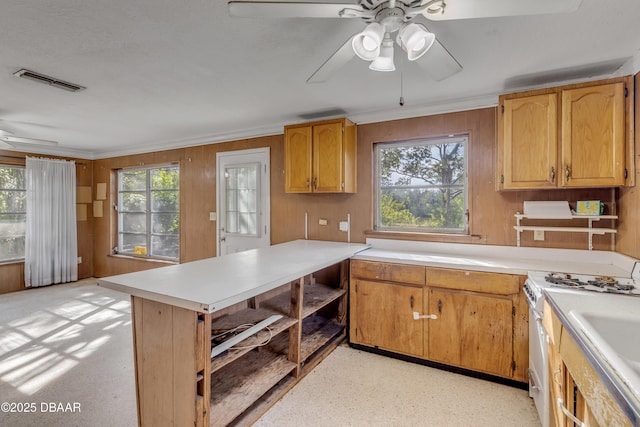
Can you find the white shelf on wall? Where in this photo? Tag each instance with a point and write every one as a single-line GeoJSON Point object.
{"type": "Point", "coordinates": [590, 229]}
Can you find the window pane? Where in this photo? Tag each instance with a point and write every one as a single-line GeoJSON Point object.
{"type": "Point", "coordinates": [133, 202]}
{"type": "Point", "coordinates": [422, 208]}
{"type": "Point", "coordinates": [131, 242]}
{"type": "Point", "coordinates": [11, 248]}
{"type": "Point", "coordinates": [242, 199]}
{"type": "Point", "coordinates": [133, 180]}
{"type": "Point", "coordinates": [165, 178]}
{"type": "Point", "coordinates": [166, 223]}
{"type": "Point", "coordinates": [12, 212]}
{"type": "Point", "coordinates": [12, 178]}
{"type": "Point", "coordinates": [13, 201]}
{"type": "Point", "coordinates": [165, 246]}
{"type": "Point", "coordinates": [165, 201]}
{"type": "Point", "coordinates": [422, 186]}
{"type": "Point", "coordinates": [133, 222]}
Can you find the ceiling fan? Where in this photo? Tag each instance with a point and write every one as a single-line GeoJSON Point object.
{"type": "Point", "coordinates": [7, 138]}
{"type": "Point", "coordinates": [386, 17]}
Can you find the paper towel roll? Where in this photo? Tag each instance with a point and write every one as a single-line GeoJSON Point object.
{"type": "Point", "coordinates": [547, 210]}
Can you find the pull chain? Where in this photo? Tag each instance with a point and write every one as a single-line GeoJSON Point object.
{"type": "Point", "coordinates": [401, 81]}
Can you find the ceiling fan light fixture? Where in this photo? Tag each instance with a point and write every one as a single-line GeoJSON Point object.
{"type": "Point", "coordinates": [415, 39]}
{"type": "Point", "coordinates": [384, 61]}
{"type": "Point", "coordinates": [367, 43]}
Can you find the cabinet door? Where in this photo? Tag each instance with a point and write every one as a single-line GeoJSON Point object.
{"type": "Point", "coordinates": [382, 314]}
{"type": "Point", "coordinates": [528, 146]}
{"type": "Point", "coordinates": [473, 331]}
{"type": "Point", "coordinates": [327, 158]}
{"type": "Point", "coordinates": [297, 158]}
{"type": "Point", "coordinates": [593, 136]}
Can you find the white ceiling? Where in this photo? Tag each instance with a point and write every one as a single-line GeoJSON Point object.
{"type": "Point", "coordinates": [164, 73]}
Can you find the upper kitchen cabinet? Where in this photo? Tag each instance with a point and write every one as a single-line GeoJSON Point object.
{"type": "Point", "coordinates": [577, 136]}
{"type": "Point", "coordinates": [320, 157]}
{"type": "Point", "coordinates": [529, 142]}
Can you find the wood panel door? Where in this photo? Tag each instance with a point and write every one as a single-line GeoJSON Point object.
{"type": "Point", "coordinates": [328, 162]}
{"type": "Point", "coordinates": [298, 159]}
{"type": "Point", "coordinates": [593, 136]}
{"type": "Point", "coordinates": [473, 331]}
{"type": "Point", "coordinates": [383, 317]}
{"type": "Point", "coordinates": [528, 142]}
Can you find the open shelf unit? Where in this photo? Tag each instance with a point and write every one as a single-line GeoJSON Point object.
{"type": "Point", "coordinates": [590, 229]}
{"type": "Point", "coordinates": [251, 376]}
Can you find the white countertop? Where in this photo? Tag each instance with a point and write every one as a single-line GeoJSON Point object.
{"type": "Point", "coordinates": [215, 283]}
{"type": "Point", "coordinates": [498, 259]}
{"type": "Point", "coordinates": [619, 376]}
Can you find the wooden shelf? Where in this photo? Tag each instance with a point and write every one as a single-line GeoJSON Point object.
{"type": "Point", "coordinates": [316, 332]}
{"type": "Point", "coordinates": [315, 297]}
{"type": "Point", "coordinates": [246, 316]}
{"type": "Point", "coordinates": [236, 387]}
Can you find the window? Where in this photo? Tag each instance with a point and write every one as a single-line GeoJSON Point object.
{"type": "Point", "coordinates": [148, 212]}
{"type": "Point", "coordinates": [421, 186]}
{"type": "Point", "coordinates": [13, 212]}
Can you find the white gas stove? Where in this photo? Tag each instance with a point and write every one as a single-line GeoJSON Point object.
{"type": "Point", "coordinates": [538, 340]}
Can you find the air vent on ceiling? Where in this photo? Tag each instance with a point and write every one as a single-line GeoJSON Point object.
{"type": "Point", "coordinates": [51, 81]}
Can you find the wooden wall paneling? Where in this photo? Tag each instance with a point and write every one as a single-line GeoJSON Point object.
{"type": "Point", "coordinates": [198, 199]}
{"type": "Point", "coordinates": [11, 277]}
{"type": "Point", "coordinates": [84, 177]}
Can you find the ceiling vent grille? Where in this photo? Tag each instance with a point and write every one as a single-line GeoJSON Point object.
{"type": "Point", "coordinates": [51, 81]}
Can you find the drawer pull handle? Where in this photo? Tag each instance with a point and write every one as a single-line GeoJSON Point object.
{"type": "Point", "coordinates": [417, 316]}
{"type": "Point", "coordinates": [569, 415]}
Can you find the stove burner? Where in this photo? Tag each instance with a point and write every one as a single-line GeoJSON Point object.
{"type": "Point", "coordinates": [605, 283]}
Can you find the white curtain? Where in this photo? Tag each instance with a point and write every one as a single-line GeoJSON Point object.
{"type": "Point", "coordinates": [51, 246]}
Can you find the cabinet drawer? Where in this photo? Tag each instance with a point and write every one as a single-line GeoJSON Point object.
{"type": "Point", "coordinates": [474, 281]}
{"type": "Point", "coordinates": [400, 273]}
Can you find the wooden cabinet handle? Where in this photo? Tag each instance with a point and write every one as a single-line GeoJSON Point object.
{"type": "Point", "coordinates": [411, 301]}
{"type": "Point", "coordinates": [440, 306]}
{"type": "Point", "coordinates": [553, 174]}
{"type": "Point", "coordinates": [308, 182]}
{"type": "Point", "coordinates": [315, 183]}
{"type": "Point", "coordinates": [567, 172]}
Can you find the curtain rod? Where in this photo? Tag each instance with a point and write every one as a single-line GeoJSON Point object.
{"type": "Point", "coordinates": [25, 157]}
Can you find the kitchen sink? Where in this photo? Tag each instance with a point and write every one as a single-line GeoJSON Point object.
{"type": "Point", "coordinates": [614, 337]}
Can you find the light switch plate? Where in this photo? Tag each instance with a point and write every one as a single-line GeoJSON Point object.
{"type": "Point", "coordinates": [213, 216]}
{"type": "Point", "coordinates": [322, 221]}
{"type": "Point", "coordinates": [538, 234]}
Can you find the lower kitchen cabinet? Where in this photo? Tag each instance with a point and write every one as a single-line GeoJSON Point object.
{"type": "Point", "coordinates": [472, 320]}
{"type": "Point", "coordinates": [473, 331]}
{"type": "Point", "coordinates": [384, 317]}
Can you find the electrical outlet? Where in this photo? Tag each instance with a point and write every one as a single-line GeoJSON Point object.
{"type": "Point", "coordinates": [322, 221]}
{"type": "Point", "coordinates": [343, 226]}
{"type": "Point", "coordinates": [538, 234]}
{"type": "Point", "coordinates": [79, 260]}
{"type": "Point", "coordinates": [213, 216]}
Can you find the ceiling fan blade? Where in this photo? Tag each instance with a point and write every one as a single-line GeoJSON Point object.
{"type": "Point", "coordinates": [438, 63]}
{"type": "Point", "coordinates": [335, 62]}
{"type": "Point", "coordinates": [279, 9]}
{"type": "Point", "coordinates": [467, 9]}
{"type": "Point", "coordinates": [8, 144]}
{"type": "Point", "coordinates": [10, 139]}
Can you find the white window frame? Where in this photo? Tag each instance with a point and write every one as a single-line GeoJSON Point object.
{"type": "Point", "coordinates": [421, 229]}
{"type": "Point", "coordinates": [148, 211]}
